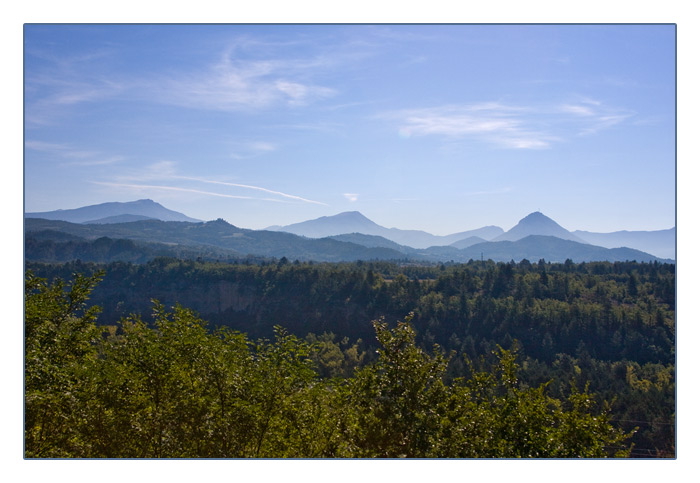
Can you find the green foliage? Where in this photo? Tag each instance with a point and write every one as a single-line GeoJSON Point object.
{"type": "Point", "coordinates": [398, 399]}
{"type": "Point", "coordinates": [405, 410]}
{"type": "Point", "coordinates": [173, 388]}
{"type": "Point", "coordinates": [59, 348]}
{"type": "Point", "coordinates": [335, 359]}
{"type": "Point", "coordinates": [571, 321]}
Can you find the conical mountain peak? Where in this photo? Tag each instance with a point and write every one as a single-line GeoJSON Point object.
{"type": "Point", "coordinates": [536, 215]}
{"type": "Point", "coordinates": [538, 219]}
{"type": "Point", "coordinates": [350, 215]}
{"type": "Point", "coordinates": [537, 223]}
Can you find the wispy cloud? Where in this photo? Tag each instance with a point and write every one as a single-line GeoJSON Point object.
{"type": "Point", "coordinates": [508, 126]}
{"type": "Point", "coordinates": [592, 116]}
{"type": "Point", "coordinates": [72, 156]}
{"type": "Point", "coordinates": [164, 176]}
{"type": "Point", "coordinates": [579, 110]}
{"type": "Point", "coordinates": [55, 83]}
{"type": "Point", "coordinates": [97, 161]}
{"type": "Point", "coordinates": [149, 187]}
{"type": "Point", "coordinates": [164, 169]}
{"type": "Point", "coordinates": [351, 197]}
{"type": "Point", "coordinates": [251, 187]}
{"type": "Point", "coordinates": [496, 123]}
{"type": "Point", "coordinates": [239, 82]}
{"type": "Point", "coordinates": [246, 75]}
{"type": "Point", "coordinates": [604, 121]}
{"type": "Point", "coordinates": [46, 147]}
{"type": "Point", "coordinates": [251, 149]}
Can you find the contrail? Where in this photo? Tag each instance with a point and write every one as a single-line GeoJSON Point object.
{"type": "Point", "coordinates": [188, 190]}
{"type": "Point", "coordinates": [252, 188]}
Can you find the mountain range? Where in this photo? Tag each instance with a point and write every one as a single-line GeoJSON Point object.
{"type": "Point", "coordinates": [660, 243]}
{"type": "Point", "coordinates": [153, 230]}
{"type": "Point", "coordinates": [356, 222]}
{"type": "Point", "coordinates": [114, 212]}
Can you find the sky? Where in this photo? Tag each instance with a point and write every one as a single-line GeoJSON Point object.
{"type": "Point", "coordinates": [442, 128]}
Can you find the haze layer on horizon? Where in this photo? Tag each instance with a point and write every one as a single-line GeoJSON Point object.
{"type": "Point", "coordinates": [442, 128]}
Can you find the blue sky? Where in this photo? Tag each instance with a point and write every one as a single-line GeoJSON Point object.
{"type": "Point", "coordinates": [442, 128]}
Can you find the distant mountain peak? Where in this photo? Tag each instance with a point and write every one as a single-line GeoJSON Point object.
{"type": "Point", "coordinates": [347, 215]}
{"type": "Point", "coordinates": [536, 215]}
{"type": "Point", "coordinates": [537, 223]}
{"type": "Point", "coordinates": [144, 207]}
{"type": "Point", "coordinates": [537, 218]}
{"type": "Point", "coordinates": [345, 222]}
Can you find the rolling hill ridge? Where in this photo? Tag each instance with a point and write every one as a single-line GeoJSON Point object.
{"type": "Point", "coordinates": [114, 212]}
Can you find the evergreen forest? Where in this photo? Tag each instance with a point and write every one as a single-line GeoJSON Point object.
{"type": "Point", "coordinates": [269, 358]}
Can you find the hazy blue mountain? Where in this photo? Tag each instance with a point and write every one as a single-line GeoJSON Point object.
{"type": "Point", "coordinates": [55, 240]}
{"type": "Point", "coordinates": [413, 238]}
{"type": "Point", "coordinates": [467, 242]}
{"type": "Point", "coordinates": [218, 237]}
{"type": "Point", "coordinates": [325, 226]}
{"type": "Point", "coordinates": [534, 248]}
{"type": "Point", "coordinates": [370, 241]}
{"type": "Point", "coordinates": [145, 208]}
{"type": "Point", "coordinates": [353, 225]}
{"type": "Point", "coordinates": [356, 222]}
{"type": "Point", "coordinates": [661, 243]}
{"type": "Point", "coordinates": [537, 224]}
{"type": "Point", "coordinates": [551, 249]}
{"type": "Point", "coordinates": [486, 233]}
{"type": "Point", "coordinates": [118, 219]}
{"type": "Point", "coordinates": [344, 237]}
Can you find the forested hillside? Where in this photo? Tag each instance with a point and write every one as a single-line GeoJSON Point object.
{"type": "Point", "coordinates": [176, 390]}
{"type": "Point", "coordinates": [608, 327]}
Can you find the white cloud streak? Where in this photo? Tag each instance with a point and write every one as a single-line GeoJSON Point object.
{"type": "Point", "coordinates": [579, 110]}
{"type": "Point", "coordinates": [251, 149]}
{"type": "Point", "coordinates": [166, 172]}
{"type": "Point", "coordinates": [144, 187]}
{"type": "Point", "coordinates": [594, 116]}
{"type": "Point", "coordinates": [48, 96]}
{"type": "Point", "coordinates": [73, 156]}
{"type": "Point", "coordinates": [503, 125]}
{"type": "Point", "coordinates": [235, 84]}
{"type": "Point", "coordinates": [247, 75]}
{"type": "Point", "coordinates": [251, 187]}
{"type": "Point", "coordinates": [508, 126]}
